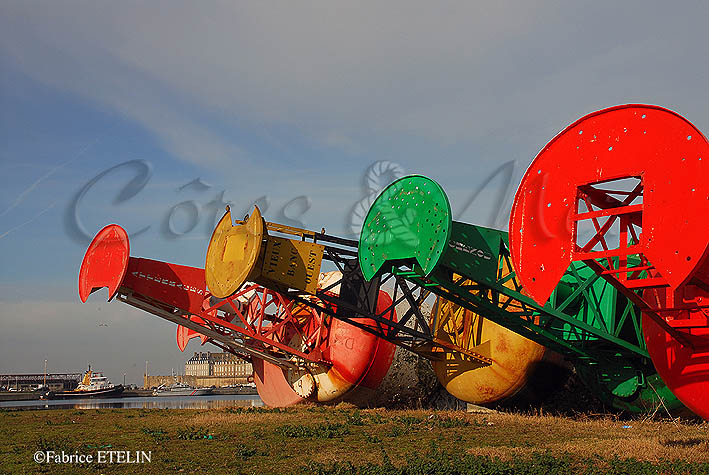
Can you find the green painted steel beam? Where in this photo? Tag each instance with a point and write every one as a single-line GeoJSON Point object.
{"type": "Point", "coordinates": [409, 231]}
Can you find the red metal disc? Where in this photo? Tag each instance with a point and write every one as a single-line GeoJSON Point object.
{"type": "Point", "coordinates": [105, 262]}
{"type": "Point", "coordinates": [359, 360]}
{"type": "Point", "coordinates": [684, 370]}
{"type": "Point", "coordinates": [668, 158]}
{"type": "Point", "coordinates": [272, 386]}
{"type": "Point", "coordinates": [656, 145]}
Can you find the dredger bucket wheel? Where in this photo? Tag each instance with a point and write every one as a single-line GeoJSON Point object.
{"type": "Point", "coordinates": [660, 258]}
{"type": "Point", "coordinates": [409, 232]}
{"type": "Point", "coordinates": [331, 358]}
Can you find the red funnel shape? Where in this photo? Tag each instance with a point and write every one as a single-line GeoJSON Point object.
{"type": "Point", "coordinates": [184, 334]}
{"type": "Point", "coordinates": [105, 262]}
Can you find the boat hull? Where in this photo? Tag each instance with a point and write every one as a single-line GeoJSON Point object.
{"type": "Point", "coordinates": [114, 391]}
{"type": "Point", "coordinates": [184, 392]}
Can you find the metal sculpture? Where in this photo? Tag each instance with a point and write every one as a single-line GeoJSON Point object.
{"type": "Point", "coordinates": [285, 259]}
{"type": "Point", "coordinates": [409, 233]}
{"type": "Point", "coordinates": [298, 353]}
{"type": "Point", "coordinates": [624, 191]}
{"type": "Point", "coordinates": [555, 287]}
{"type": "Point", "coordinates": [457, 343]}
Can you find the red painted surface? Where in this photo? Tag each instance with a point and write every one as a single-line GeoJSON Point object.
{"type": "Point", "coordinates": [669, 158]}
{"type": "Point", "coordinates": [184, 335]}
{"type": "Point", "coordinates": [383, 353]}
{"type": "Point", "coordinates": [684, 370]}
{"type": "Point", "coordinates": [105, 262]}
{"type": "Point", "coordinates": [180, 286]}
{"type": "Point", "coordinates": [668, 152]}
{"type": "Point", "coordinates": [272, 387]}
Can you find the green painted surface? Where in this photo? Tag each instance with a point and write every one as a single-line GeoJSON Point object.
{"type": "Point", "coordinates": [642, 392]}
{"type": "Point", "coordinates": [473, 251]}
{"type": "Point", "coordinates": [409, 227]}
{"type": "Point", "coordinates": [410, 220]}
{"type": "Point", "coordinates": [595, 305]}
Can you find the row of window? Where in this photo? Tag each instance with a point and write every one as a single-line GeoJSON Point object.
{"type": "Point", "coordinates": [206, 369]}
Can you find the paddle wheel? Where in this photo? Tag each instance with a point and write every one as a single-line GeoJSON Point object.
{"type": "Point", "coordinates": [409, 233]}
{"type": "Point", "coordinates": [298, 353]}
{"type": "Point", "coordinates": [606, 266]}
{"type": "Point", "coordinates": [285, 259]}
{"type": "Point", "coordinates": [624, 191]}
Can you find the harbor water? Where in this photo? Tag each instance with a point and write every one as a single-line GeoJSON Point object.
{"type": "Point", "coordinates": [214, 401]}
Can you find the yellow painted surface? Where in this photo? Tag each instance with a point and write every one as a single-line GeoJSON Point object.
{"type": "Point", "coordinates": [246, 252]}
{"type": "Point", "coordinates": [514, 357]}
{"type": "Point", "coordinates": [233, 253]}
{"type": "Point", "coordinates": [295, 264]}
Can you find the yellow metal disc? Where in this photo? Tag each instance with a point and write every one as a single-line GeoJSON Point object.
{"type": "Point", "coordinates": [233, 253]}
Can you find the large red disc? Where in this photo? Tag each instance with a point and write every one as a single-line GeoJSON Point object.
{"type": "Point", "coordinates": [684, 370]}
{"type": "Point", "coordinates": [666, 151]}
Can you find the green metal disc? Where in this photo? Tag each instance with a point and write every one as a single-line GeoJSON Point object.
{"type": "Point", "coordinates": [410, 219]}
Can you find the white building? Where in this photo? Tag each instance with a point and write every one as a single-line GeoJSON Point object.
{"type": "Point", "coordinates": [217, 364]}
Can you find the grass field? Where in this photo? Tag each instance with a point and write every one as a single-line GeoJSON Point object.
{"type": "Point", "coordinates": [342, 439]}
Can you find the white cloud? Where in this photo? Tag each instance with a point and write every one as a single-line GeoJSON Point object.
{"type": "Point", "coordinates": [445, 88]}
{"type": "Point", "coordinates": [450, 72]}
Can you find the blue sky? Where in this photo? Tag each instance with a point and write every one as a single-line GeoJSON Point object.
{"type": "Point", "coordinates": [282, 101]}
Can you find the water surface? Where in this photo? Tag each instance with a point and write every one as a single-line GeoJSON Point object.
{"type": "Point", "coordinates": [213, 401]}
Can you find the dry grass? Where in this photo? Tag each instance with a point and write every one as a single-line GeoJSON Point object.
{"type": "Point", "coordinates": [322, 438]}
{"type": "Point", "coordinates": [651, 441]}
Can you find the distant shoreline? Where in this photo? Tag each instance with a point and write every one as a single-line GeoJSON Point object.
{"type": "Point", "coordinates": [35, 395]}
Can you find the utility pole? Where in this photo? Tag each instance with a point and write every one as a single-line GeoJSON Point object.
{"type": "Point", "coordinates": [124, 380]}
{"type": "Point", "coordinates": [45, 373]}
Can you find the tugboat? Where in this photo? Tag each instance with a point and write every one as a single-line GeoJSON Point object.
{"type": "Point", "coordinates": [92, 385]}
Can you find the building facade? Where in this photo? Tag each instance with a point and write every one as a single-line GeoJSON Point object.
{"type": "Point", "coordinates": [224, 365]}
